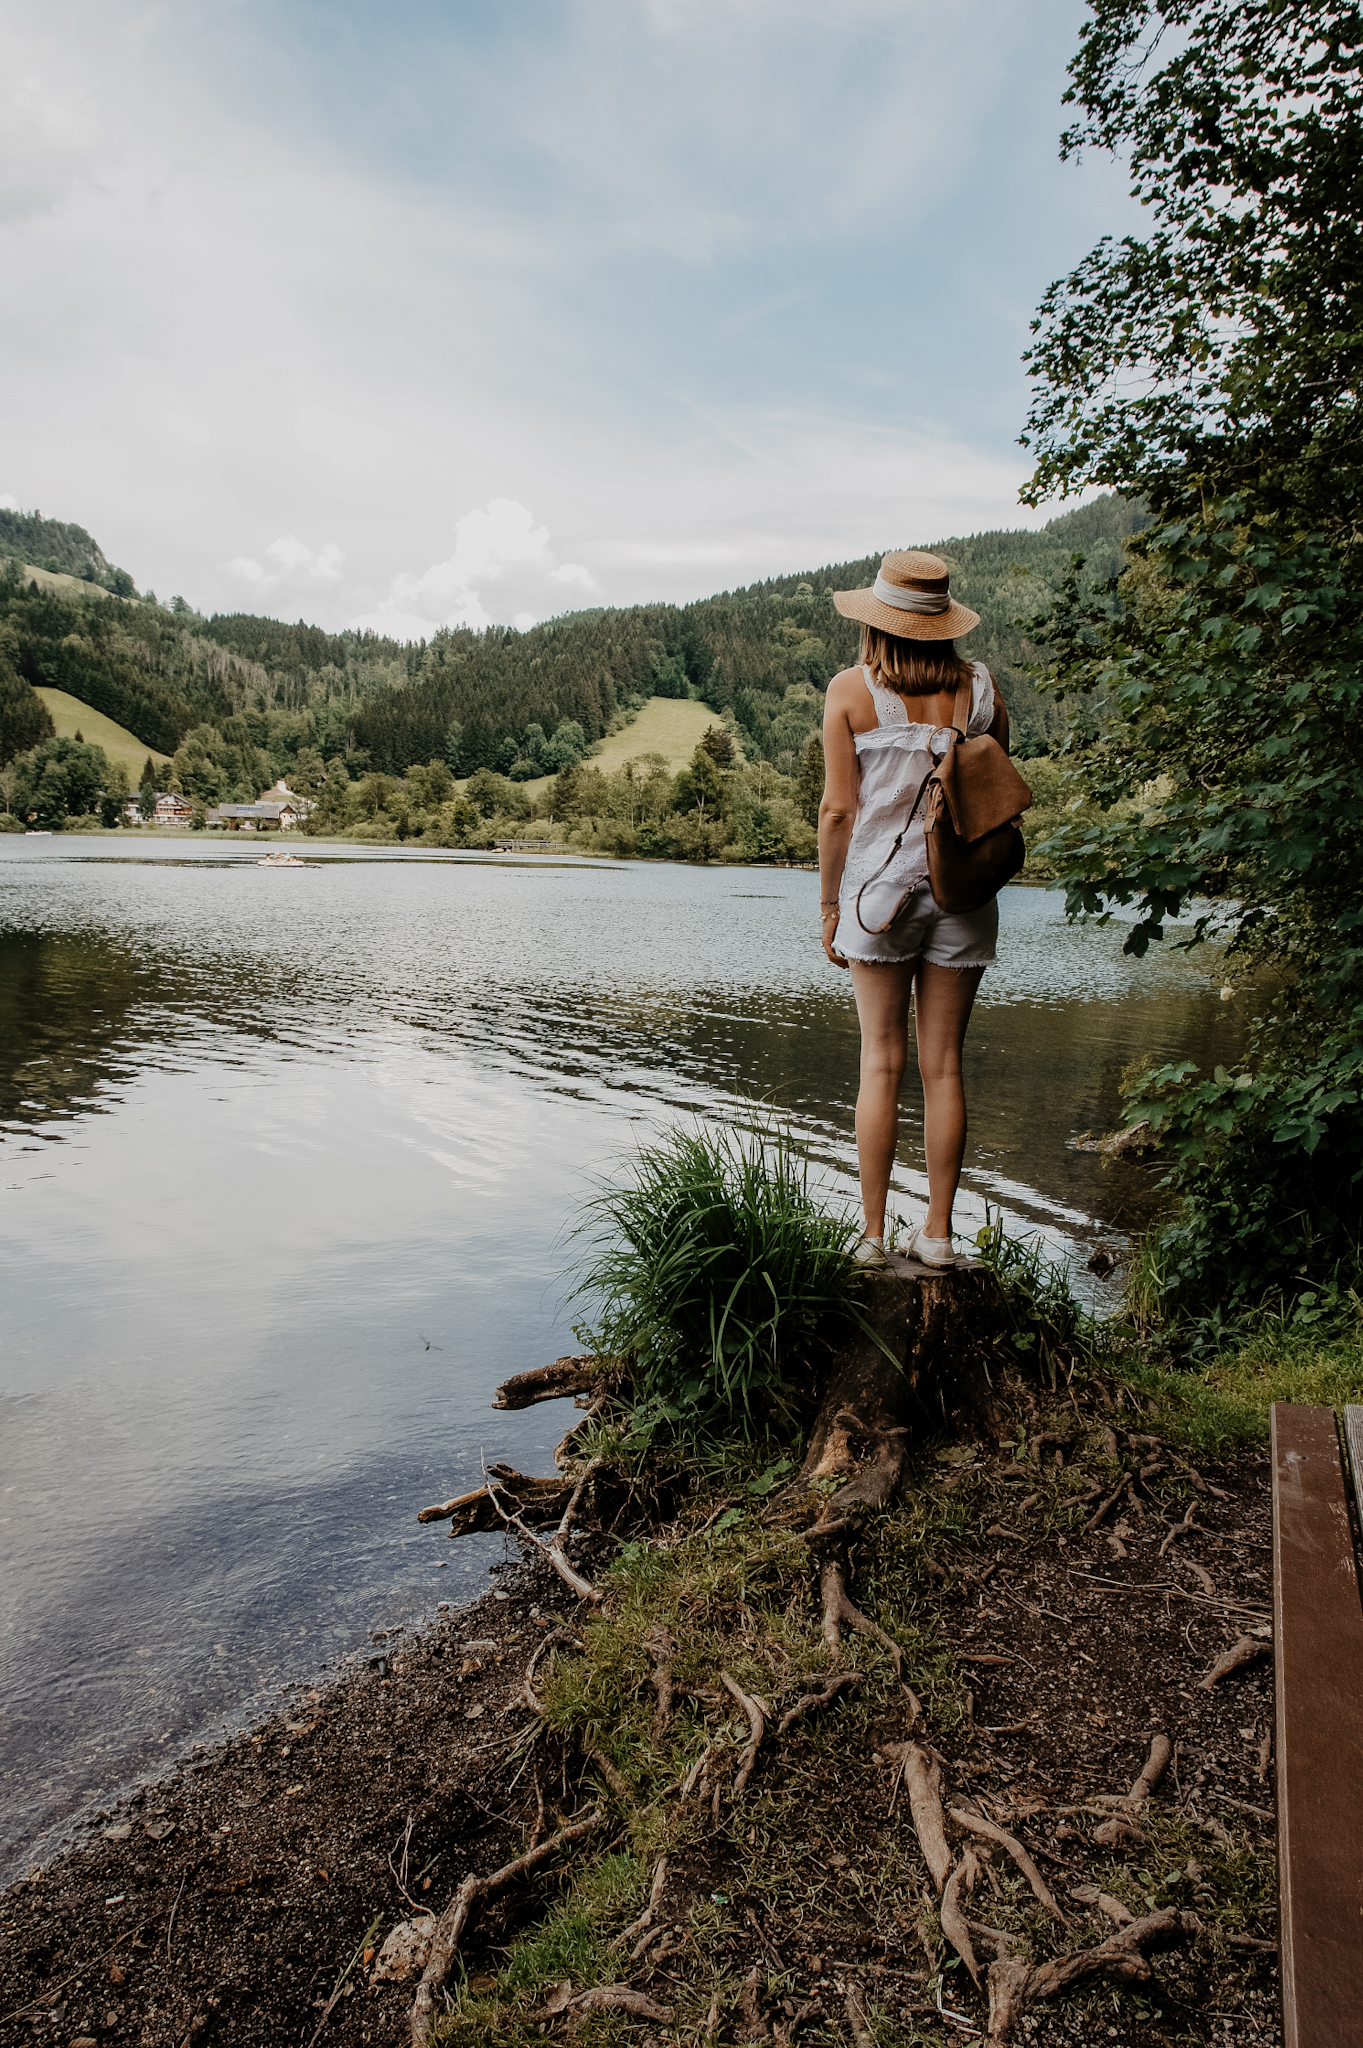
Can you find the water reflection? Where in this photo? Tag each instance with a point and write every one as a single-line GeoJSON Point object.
{"type": "Point", "coordinates": [287, 1161]}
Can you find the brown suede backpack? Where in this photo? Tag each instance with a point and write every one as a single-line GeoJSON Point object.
{"type": "Point", "coordinates": [970, 800]}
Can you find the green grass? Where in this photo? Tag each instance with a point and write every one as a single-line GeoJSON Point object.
{"type": "Point", "coordinates": [670, 726]}
{"type": "Point", "coordinates": [70, 717]}
{"type": "Point", "coordinates": [718, 1276]}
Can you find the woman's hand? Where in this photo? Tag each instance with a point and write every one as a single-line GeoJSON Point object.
{"type": "Point", "coordinates": [828, 928]}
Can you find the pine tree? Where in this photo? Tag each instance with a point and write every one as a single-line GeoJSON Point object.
{"type": "Point", "coordinates": [809, 788]}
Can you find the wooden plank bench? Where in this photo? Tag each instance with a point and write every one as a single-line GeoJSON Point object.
{"type": "Point", "coordinates": [1318, 1640]}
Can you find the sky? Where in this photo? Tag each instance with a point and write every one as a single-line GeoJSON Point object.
{"type": "Point", "coordinates": [461, 311]}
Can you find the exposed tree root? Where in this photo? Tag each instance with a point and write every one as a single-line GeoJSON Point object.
{"type": "Point", "coordinates": [829, 1686]}
{"type": "Point", "coordinates": [661, 1645]}
{"type": "Point", "coordinates": [550, 1642]}
{"type": "Point", "coordinates": [923, 1779]}
{"type": "Point", "coordinates": [1245, 1650]}
{"type": "Point", "coordinates": [1100, 1514]}
{"type": "Point", "coordinates": [606, 1998]}
{"type": "Point", "coordinates": [472, 1893]}
{"type": "Point", "coordinates": [647, 1917]}
{"type": "Point", "coordinates": [837, 1609]}
{"type": "Point", "coordinates": [612, 1777]}
{"type": "Point", "coordinates": [757, 1728]}
{"type": "Point", "coordinates": [1180, 1528]}
{"type": "Point", "coordinates": [954, 1924]}
{"type": "Point", "coordinates": [857, 2018]}
{"type": "Point", "coordinates": [977, 1823]}
{"type": "Point", "coordinates": [1015, 1984]}
{"type": "Point", "coordinates": [1156, 1764]}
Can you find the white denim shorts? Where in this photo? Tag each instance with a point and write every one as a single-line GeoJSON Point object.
{"type": "Point", "coordinates": [941, 937]}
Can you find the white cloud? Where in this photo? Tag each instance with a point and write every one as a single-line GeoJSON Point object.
{"type": "Point", "coordinates": [290, 563]}
{"type": "Point", "coordinates": [500, 555]}
{"type": "Point", "coordinates": [640, 269]}
{"type": "Point", "coordinates": [48, 135]}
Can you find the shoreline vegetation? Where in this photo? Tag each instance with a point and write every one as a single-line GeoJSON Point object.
{"type": "Point", "coordinates": [715, 807]}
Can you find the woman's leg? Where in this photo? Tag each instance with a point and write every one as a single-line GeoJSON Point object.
{"type": "Point", "coordinates": [944, 999]}
{"type": "Point", "coordinates": [883, 994]}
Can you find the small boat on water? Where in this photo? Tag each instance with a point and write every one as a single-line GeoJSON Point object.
{"type": "Point", "coordinates": [280, 860]}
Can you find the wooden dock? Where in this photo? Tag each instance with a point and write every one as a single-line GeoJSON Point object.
{"type": "Point", "coordinates": [1318, 1640]}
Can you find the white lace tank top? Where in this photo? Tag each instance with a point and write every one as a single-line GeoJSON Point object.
{"type": "Point", "coordinates": [894, 756]}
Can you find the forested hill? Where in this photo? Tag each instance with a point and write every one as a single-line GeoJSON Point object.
{"type": "Point", "coordinates": [253, 686]}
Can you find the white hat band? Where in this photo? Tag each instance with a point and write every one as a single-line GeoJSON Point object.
{"type": "Point", "coordinates": [930, 601]}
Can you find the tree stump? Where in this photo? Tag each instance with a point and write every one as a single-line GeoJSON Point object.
{"type": "Point", "coordinates": [933, 1361]}
{"type": "Point", "coordinates": [931, 1356]}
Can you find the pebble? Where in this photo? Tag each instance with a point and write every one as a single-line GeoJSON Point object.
{"type": "Point", "coordinates": [122, 1833]}
{"type": "Point", "coordinates": [406, 1951]}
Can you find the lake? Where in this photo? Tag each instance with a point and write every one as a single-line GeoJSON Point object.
{"type": "Point", "coordinates": [290, 1159]}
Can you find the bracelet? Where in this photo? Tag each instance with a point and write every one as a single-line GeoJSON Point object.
{"type": "Point", "coordinates": [826, 915]}
{"type": "Point", "coordinates": [828, 903]}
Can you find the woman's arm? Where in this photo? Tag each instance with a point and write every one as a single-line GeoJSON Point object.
{"type": "Point", "coordinates": [838, 809]}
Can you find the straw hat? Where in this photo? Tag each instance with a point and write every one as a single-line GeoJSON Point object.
{"type": "Point", "coordinates": [912, 597]}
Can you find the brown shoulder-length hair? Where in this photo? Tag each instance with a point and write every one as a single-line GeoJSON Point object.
{"type": "Point", "coordinates": [913, 668]}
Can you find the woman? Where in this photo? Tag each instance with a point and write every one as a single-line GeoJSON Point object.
{"type": "Point", "coordinates": [880, 722]}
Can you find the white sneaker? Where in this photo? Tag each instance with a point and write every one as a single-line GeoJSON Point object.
{"type": "Point", "coordinates": [930, 1251]}
{"type": "Point", "coordinates": [870, 1251]}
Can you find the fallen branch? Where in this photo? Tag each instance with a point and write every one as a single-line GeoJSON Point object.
{"type": "Point", "coordinates": [757, 1726]}
{"type": "Point", "coordinates": [809, 1703]}
{"type": "Point", "coordinates": [980, 1826]}
{"type": "Point", "coordinates": [472, 1893]}
{"type": "Point", "coordinates": [554, 1549]}
{"type": "Point", "coordinates": [475, 1512]}
{"type": "Point", "coordinates": [837, 1609]}
{"type": "Point", "coordinates": [582, 1374]}
{"type": "Point", "coordinates": [1015, 1984]}
{"type": "Point", "coordinates": [1247, 1650]}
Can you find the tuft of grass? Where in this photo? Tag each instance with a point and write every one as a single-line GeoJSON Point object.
{"type": "Point", "coordinates": [1047, 1322]}
{"type": "Point", "coordinates": [1284, 1364]}
{"type": "Point", "coordinates": [717, 1272]}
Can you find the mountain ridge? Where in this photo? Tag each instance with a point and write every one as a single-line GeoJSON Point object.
{"type": "Point", "coordinates": [759, 655]}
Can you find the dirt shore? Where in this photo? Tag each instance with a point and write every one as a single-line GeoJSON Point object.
{"type": "Point", "coordinates": [236, 1902]}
